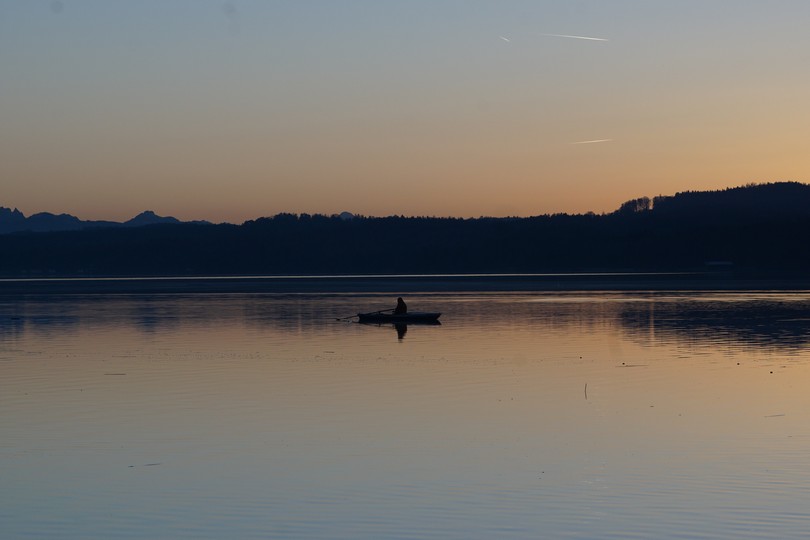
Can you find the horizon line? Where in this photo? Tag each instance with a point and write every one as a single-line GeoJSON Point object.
{"type": "Point", "coordinates": [353, 214]}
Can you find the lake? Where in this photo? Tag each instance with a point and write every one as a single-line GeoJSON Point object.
{"type": "Point", "coordinates": [523, 415]}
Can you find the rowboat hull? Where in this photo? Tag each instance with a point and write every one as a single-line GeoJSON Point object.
{"type": "Point", "coordinates": [415, 317]}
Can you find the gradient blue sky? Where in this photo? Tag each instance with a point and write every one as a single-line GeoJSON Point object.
{"type": "Point", "coordinates": [228, 111]}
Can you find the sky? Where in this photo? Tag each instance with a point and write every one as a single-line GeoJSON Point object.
{"type": "Point", "coordinates": [233, 110]}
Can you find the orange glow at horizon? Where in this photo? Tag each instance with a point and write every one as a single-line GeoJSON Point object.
{"type": "Point", "coordinates": [465, 111]}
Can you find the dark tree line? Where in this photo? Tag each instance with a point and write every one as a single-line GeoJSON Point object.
{"type": "Point", "coordinates": [756, 228]}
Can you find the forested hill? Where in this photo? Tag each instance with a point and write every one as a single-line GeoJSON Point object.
{"type": "Point", "coordinates": [759, 228]}
{"type": "Point", "coordinates": [755, 201]}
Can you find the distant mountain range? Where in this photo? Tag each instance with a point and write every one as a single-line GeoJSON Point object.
{"type": "Point", "coordinates": [758, 229]}
{"type": "Point", "coordinates": [15, 221]}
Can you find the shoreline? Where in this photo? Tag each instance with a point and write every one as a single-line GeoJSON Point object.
{"type": "Point", "coordinates": [399, 283]}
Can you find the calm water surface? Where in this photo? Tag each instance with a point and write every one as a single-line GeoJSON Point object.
{"type": "Point", "coordinates": [574, 415]}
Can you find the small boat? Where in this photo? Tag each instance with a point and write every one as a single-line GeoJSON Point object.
{"type": "Point", "coordinates": [415, 317]}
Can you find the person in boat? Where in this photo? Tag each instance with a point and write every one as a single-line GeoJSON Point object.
{"type": "Point", "coordinates": [401, 308]}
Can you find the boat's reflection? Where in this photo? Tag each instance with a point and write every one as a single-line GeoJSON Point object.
{"type": "Point", "coordinates": [402, 328]}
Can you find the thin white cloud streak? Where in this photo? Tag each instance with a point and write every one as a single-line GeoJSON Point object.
{"type": "Point", "coordinates": [505, 39]}
{"type": "Point", "coordinates": [593, 141]}
{"type": "Point", "coordinates": [575, 37]}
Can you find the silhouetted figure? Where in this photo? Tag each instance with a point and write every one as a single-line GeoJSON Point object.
{"type": "Point", "coordinates": [401, 308]}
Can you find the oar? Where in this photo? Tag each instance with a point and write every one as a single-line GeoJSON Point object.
{"type": "Point", "coordinates": [371, 313]}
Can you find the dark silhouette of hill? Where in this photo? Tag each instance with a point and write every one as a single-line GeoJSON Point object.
{"type": "Point", "coordinates": [752, 230]}
{"type": "Point", "coordinates": [149, 218]}
{"type": "Point", "coordinates": [751, 202]}
{"type": "Point", "coordinates": [15, 221]}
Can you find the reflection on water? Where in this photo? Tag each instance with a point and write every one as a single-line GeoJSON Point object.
{"type": "Point", "coordinates": [400, 328]}
{"type": "Point", "coordinates": [768, 321]}
{"type": "Point", "coordinates": [765, 321]}
{"type": "Point", "coordinates": [578, 415]}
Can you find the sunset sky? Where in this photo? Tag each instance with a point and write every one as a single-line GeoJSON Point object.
{"type": "Point", "coordinates": [228, 111]}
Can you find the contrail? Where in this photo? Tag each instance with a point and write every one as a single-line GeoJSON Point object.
{"type": "Point", "coordinates": [593, 141]}
{"type": "Point", "coordinates": [576, 37]}
{"type": "Point", "coordinates": [505, 39]}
